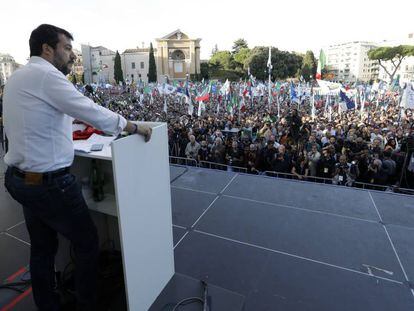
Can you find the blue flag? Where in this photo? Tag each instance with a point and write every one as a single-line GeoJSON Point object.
{"type": "Point", "coordinates": [293, 95]}
{"type": "Point", "coordinates": [349, 103]}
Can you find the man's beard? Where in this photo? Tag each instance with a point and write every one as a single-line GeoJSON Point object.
{"type": "Point", "coordinates": [62, 66]}
{"type": "Point", "coordinates": [65, 68]}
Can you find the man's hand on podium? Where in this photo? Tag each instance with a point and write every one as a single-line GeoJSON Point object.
{"type": "Point", "coordinates": [142, 130]}
{"type": "Point", "coordinates": [145, 131]}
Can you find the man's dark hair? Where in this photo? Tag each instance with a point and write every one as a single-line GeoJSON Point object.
{"type": "Point", "coordinates": [48, 34]}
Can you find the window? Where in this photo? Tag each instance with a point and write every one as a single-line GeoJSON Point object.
{"type": "Point", "coordinates": [142, 65]}
{"type": "Point", "coordinates": [133, 65]}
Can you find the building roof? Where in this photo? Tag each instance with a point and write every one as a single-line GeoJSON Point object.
{"type": "Point", "coordinates": [138, 50]}
{"type": "Point", "coordinates": [176, 35]}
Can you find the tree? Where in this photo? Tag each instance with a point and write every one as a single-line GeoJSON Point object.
{"type": "Point", "coordinates": [306, 72]}
{"type": "Point", "coordinates": [309, 66]}
{"type": "Point", "coordinates": [204, 71]}
{"type": "Point", "coordinates": [284, 64]}
{"type": "Point", "coordinates": [118, 75]}
{"type": "Point", "coordinates": [224, 59]}
{"type": "Point", "coordinates": [394, 54]}
{"type": "Point", "coordinates": [238, 45]}
{"type": "Point", "coordinates": [240, 58]}
{"type": "Point", "coordinates": [152, 68]}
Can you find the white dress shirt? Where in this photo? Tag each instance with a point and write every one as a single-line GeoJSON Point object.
{"type": "Point", "coordinates": [39, 105]}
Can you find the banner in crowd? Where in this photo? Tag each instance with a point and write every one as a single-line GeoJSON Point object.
{"type": "Point", "coordinates": [407, 100]}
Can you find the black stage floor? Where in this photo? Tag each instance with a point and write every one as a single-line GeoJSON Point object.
{"type": "Point", "coordinates": [270, 244]}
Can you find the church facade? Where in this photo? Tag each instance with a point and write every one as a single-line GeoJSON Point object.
{"type": "Point", "coordinates": [177, 55]}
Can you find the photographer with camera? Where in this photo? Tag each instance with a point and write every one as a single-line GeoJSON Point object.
{"type": "Point", "coordinates": [376, 174]}
{"type": "Point", "coordinates": [234, 155]}
{"type": "Point", "coordinates": [326, 165]}
{"type": "Point", "coordinates": [345, 173]}
{"type": "Point", "coordinates": [268, 154]}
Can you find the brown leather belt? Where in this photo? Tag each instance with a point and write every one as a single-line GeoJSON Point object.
{"type": "Point", "coordinates": [33, 178]}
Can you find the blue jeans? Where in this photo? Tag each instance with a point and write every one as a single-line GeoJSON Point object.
{"type": "Point", "coordinates": [57, 206]}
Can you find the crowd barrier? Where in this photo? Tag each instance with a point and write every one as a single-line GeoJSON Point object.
{"type": "Point", "coordinates": [237, 169]}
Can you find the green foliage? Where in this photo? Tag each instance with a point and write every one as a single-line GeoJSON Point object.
{"type": "Point", "coordinates": [309, 66]}
{"type": "Point", "coordinates": [394, 54]}
{"type": "Point", "coordinates": [205, 71]}
{"type": "Point", "coordinates": [222, 60]}
{"type": "Point", "coordinates": [385, 53]}
{"type": "Point", "coordinates": [285, 64]}
{"type": "Point", "coordinates": [238, 45]}
{"type": "Point", "coordinates": [240, 59]}
{"type": "Point", "coordinates": [118, 75]}
{"type": "Point", "coordinates": [152, 67]}
{"type": "Point", "coordinates": [222, 75]}
{"type": "Point", "coordinates": [306, 72]}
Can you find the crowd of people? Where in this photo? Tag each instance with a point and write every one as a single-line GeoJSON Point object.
{"type": "Point", "coordinates": [370, 146]}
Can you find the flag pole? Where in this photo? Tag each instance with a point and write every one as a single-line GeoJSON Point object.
{"type": "Point", "coordinates": [313, 107]}
{"type": "Point", "coordinates": [269, 66]}
{"type": "Point", "coordinates": [278, 106]}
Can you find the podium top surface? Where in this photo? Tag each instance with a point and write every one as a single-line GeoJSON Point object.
{"type": "Point", "coordinates": [106, 152]}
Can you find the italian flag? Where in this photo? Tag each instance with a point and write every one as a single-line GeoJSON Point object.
{"type": "Point", "coordinates": [205, 94]}
{"type": "Point", "coordinates": [321, 65]}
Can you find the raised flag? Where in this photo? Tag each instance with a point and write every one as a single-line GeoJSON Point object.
{"type": "Point", "coordinates": [348, 104]}
{"type": "Point", "coordinates": [321, 65]}
{"type": "Point", "coordinates": [165, 104]}
{"type": "Point", "coordinates": [242, 105]}
{"type": "Point", "coordinates": [269, 61]}
{"type": "Point", "coordinates": [190, 105]}
{"type": "Point", "coordinates": [201, 108]}
{"type": "Point", "coordinates": [407, 99]}
{"type": "Point", "coordinates": [205, 95]}
{"type": "Point", "coordinates": [293, 95]}
{"type": "Point", "coordinates": [225, 88]}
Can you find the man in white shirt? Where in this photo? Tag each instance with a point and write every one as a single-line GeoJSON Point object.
{"type": "Point", "coordinates": [39, 106]}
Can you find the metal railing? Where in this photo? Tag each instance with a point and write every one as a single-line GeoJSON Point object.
{"type": "Point", "coordinates": [183, 161]}
{"type": "Point", "coordinates": [206, 164]}
{"type": "Point", "coordinates": [355, 184]}
{"type": "Point", "coordinates": [329, 181]}
{"type": "Point", "coordinates": [223, 167]}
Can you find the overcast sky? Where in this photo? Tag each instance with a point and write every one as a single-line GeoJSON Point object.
{"type": "Point", "coordinates": [288, 25]}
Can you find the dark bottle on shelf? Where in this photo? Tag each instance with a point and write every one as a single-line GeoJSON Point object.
{"type": "Point", "coordinates": [97, 181]}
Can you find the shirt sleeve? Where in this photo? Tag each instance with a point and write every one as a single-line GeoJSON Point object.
{"type": "Point", "coordinates": [63, 96]}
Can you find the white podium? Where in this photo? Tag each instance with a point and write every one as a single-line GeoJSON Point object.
{"type": "Point", "coordinates": [138, 202]}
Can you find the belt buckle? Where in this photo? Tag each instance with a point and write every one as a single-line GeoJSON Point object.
{"type": "Point", "coordinates": [33, 179]}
